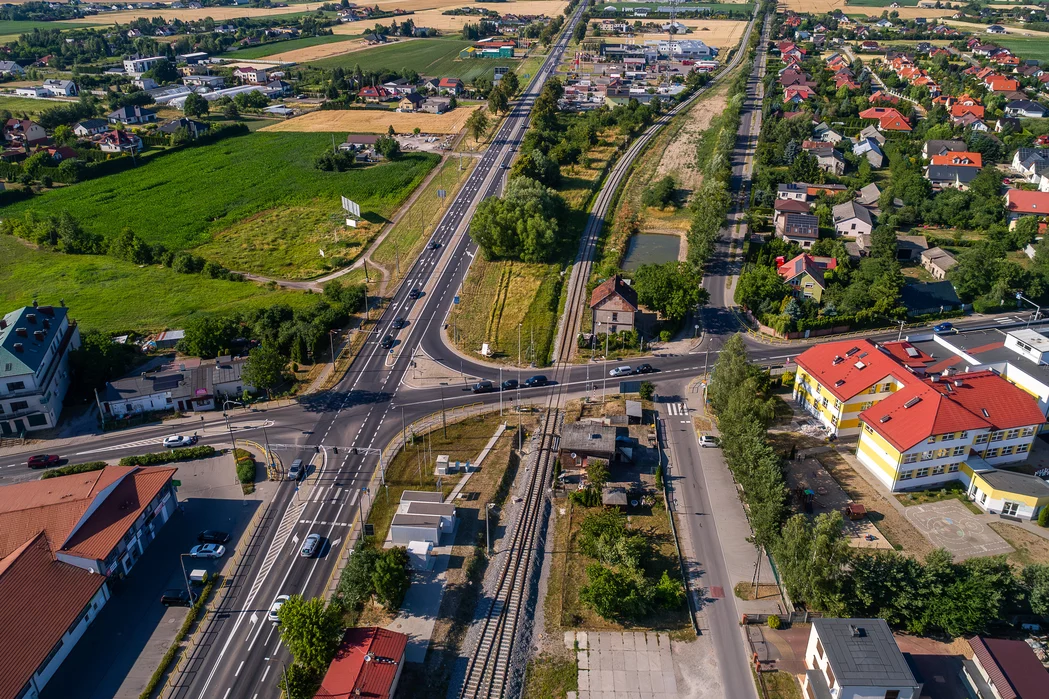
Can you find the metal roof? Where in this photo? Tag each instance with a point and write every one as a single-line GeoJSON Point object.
{"type": "Point", "coordinates": [862, 652]}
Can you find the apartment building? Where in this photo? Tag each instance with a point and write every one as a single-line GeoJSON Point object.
{"type": "Point", "coordinates": [854, 658]}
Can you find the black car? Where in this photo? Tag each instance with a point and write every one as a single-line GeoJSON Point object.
{"type": "Point", "coordinates": [175, 597]}
{"type": "Point", "coordinates": [534, 381]}
{"type": "Point", "coordinates": [433, 245]}
{"type": "Point", "coordinates": [483, 387]}
{"type": "Point", "coordinates": [212, 536]}
{"type": "Point", "coordinates": [509, 384]}
{"type": "Point", "coordinates": [644, 369]}
{"type": "Point", "coordinates": [399, 323]}
{"type": "Point", "coordinates": [414, 294]}
{"type": "Point", "coordinates": [387, 342]}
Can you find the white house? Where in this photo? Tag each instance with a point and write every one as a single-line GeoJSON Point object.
{"type": "Point", "coordinates": [90, 127]}
{"type": "Point", "coordinates": [853, 658]}
{"type": "Point", "coordinates": [61, 88]}
{"type": "Point", "coordinates": [421, 516]}
{"type": "Point", "coordinates": [136, 64]}
{"type": "Point", "coordinates": [852, 219]}
{"type": "Point", "coordinates": [35, 91]}
{"type": "Point", "coordinates": [189, 385]}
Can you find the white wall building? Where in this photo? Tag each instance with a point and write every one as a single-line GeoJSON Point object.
{"type": "Point", "coordinates": [856, 659]}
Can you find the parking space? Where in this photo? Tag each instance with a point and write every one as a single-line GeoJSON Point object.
{"type": "Point", "coordinates": [123, 647]}
{"type": "Point", "coordinates": [949, 525]}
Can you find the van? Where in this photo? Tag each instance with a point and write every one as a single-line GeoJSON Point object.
{"type": "Point", "coordinates": [295, 472]}
{"type": "Point", "coordinates": [483, 387]}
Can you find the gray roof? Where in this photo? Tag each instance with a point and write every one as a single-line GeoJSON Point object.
{"type": "Point", "coordinates": [588, 437]}
{"type": "Point", "coordinates": [27, 357]}
{"type": "Point", "coordinates": [850, 210]}
{"type": "Point", "coordinates": [439, 509]}
{"type": "Point", "coordinates": [924, 297]}
{"type": "Point", "coordinates": [959, 173]}
{"type": "Point", "coordinates": [180, 383]}
{"type": "Point", "coordinates": [1026, 105]}
{"type": "Point", "coordinates": [1032, 156]}
{"type": "Point", "coordinates": [421, 496]}
{"type": "Point", "coordinates": [801, 225]}
{"type": "Point", "coordinates": [1019, 483]}
{"type": "Point", "coordinates": [937, 147]}
{"type": "Point", "coordinates": [862, 652]}
{"type": "Point", "coordinates": [406, 520]}
{"type": "Point", "coordinates": [939, 258]}
{"type": "Point", "coordinates": [869, 195]}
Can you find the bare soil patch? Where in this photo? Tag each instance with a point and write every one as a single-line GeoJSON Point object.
{"type": "Point", "coordinates": [1030, 548]}
{"type": "Point", "coordinates": [375, 121]}
{"type": "Point", "coordinates": [722, 33]}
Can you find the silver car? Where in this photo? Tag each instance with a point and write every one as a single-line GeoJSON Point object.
{"type": "Point", "coordinates": [621, 371]}
{"type": "Point", "coordinates": [311, 547]}
{"type": "Point", "coordinates": [709, 441]}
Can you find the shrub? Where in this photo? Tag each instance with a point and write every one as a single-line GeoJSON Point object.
{"type": "Point", "coordinates": [588, 497]}
{"type": "Point", "coordinates": [246, 470]}
{"type": "Point", "coordinates": [167, 457]}
{"type": "Point", "coordinates": [668, 593]}
{"type": "Point", "coordinates": [664, 336]}
{"type": "Point", "coordinates": [76, 468]}
{"type": "Point", "coordinates": [647, 390]}
{"type": "Point", "coordinates": [1043, 517]}
{"type": "Point", "coordinates": [774, 621]}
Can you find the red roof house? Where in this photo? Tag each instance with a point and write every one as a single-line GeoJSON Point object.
{"type": "Point", "coordinates": [367, 664]}
{"type": "Point", "coordinates": [888, 118]}
{"type": "Point", "coordinates": [1011, 666]}
{"type": "Point", "coordinates": [1019, 202]}
{"type": "Point", "coordinates": [1000, 83]}
{"type": "Point", "coordinates": [958, 159]}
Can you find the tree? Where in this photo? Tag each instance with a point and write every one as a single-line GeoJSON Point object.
{"type": "Point", "coordinates": [580, 31]}
{"type": "Point", "coordinates": [509, 83]}
{"type": "Point", "coordinates": [311, 630]}
{"type": "Point", "coordinates": [1043, 517]}
{"type": "Point", "coordinates": [538, 166]}
{"type": "Point", "coordinates": [812, 558]}
{"type": "Point", "coordinates": [98, 360]}
{"type": "Point", "coordinates": [389, 147]}
{"type": "Point", "coordinates": [355, 583]}
{"type": "Point", "coordinates": [671, 288]}
{"type": "Point", "coordinates": [597, 472]}
{"type": "Point", "coordinates": [195, 106]}
{"type": "Point", "coordinates": [647, 390]}
{"type": "Point", "coordinates": [497, 101]}
{"type": "Point", "coordinates": [522, 225]}
{"type": "Point", "coordinates": [209, 336]}
{"type": "Point", "coordinates": [477, 123]}
{"type": "Point", "coordinates": [760, 285]}
{"type": "Point", "coordinates": [612, 594]}
{"type": "Point", "coordinates": [1036, 580]}
{"type": "Point", "coordinates": [162, 72]}
{"type": "Point", "coordinates": [230, 111]}
{"type": "Point", "coordinates": [265, 368]}
{"type": "Point", "coordinates": [391, 577]}
{"type": "Point", "coordinates": [63, 134]}
{"type": "Point", "coordinates": [251, 100]}
{"type": "Point", "coordinates": [299, 681]}
{"type": "Point", "coordinates": [661, 194]}
{"type": "Point", "coordinates": [805, 168]}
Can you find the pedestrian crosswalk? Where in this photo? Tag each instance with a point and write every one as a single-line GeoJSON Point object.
{"type": "Point", "coordinates": [677, 409]}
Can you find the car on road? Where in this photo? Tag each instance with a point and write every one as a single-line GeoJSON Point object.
{"type": "Point", "coordinates": [208, 551]}
{"type": "Point", "coordinates": [278, 602]}
{"type": "Point", "coordinates": [399, 323]}
{"type": "Point", "coordinates": [644, 369]}
{"type": "Point", "coordinates": [212, 536]}
{"type": "Point", "coordinates": [43, 460]}
{"type": "Point", "coordinates": [311, 547]}
{"type": "Point", "coordinates": [509, 384]}
{"type": "Point", "coordinates": [179, 440]}
{"type": "Point", "coordinates": [414, 294]}
{"type": "Point", "coordinates": [535, 381]}
{"type": "Point", "coordinates": [434, 245]}
{"type": "Point", "coordinates": [621, 371]}
{"type": "Point", "coordinates": [387, 342]}
{"type": "Point", "coordinates": [295, 472]}
{"type": "Point", "coordinates": [942, 328]}
{"type": "Point", "coordinates": [708, 440]}
{"type": "Point", "coordinates": [175, 597]}
{"type": "Point", "coordinates": [483, 387]}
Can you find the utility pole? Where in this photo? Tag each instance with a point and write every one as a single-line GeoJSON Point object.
{"type": "Point", "coordinates": [444, 420]}
{"type": "Point", "coordinates": [331, 344]}
{"type": "Point", "coordinates": [360, 507]}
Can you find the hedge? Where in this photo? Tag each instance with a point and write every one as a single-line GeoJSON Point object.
{"type": "Point", "coordinates": [166, 457]}
{"type": "Point", "coordinates": [176, 645]}
{"type": "Point", "coordinates": [74, 468]}
{"type": "Point", "coordinates": [245, 466]}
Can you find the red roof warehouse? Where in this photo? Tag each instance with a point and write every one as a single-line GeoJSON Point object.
{"type": "Point", "coordinates": [367, 664]}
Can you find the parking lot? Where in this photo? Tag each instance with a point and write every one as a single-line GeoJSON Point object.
{"type": "Point", "coordinates": [123, 647]}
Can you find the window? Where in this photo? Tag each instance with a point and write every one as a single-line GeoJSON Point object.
{"type": "Point", "coordinates": [906, 475]}
{"type": "Point", "coordinates": [830, 675]}
{"type": "Point", "coordinates": [1012, 434]}
{"type": "Point", "coordinates": [1007, 450]}
{"type": "Point", "coordinates": [983, 497]}
{"type": "Point", "coordinates": [910, 458]}
{"type": "Point", "coordinates": [19, 405]}
{"type": "Point", "coordinates": [940, 453]}
{"type": "Point", "coordinates": [958, 451]}
{"type": "Point", "coordinates": [873, 389]}
{"type": "Point", "coordinates": [926, 456]}
{"type": "Point", "coordinates": [16, 386]}
{"type": "Point", "coordinates": [867, 428]}
{"type": "Point", "coordinates": [963, 435]}
{"type": "Point", "coordinates": [922, 473]}
{"type": "Point", "coordinates": [1022, 448]}
{"type": "Point", "coordinates": [1009, 509]}
{"type": "Point", "coordinates": [837, 404]}
{"type": "Point", "coordinates": [615, 317]}
{"type": "Point", "coordinates": [981, 439]}
{"type": "Point", "coordinates": [892, 694]}
{"type": "Point", "coordinates": [953, 468]}
{"type": "Point", "coordinates": [991, 453]}
{"type": "Point", "coordinates": [887, 386]}
{"type": "Point", "coordinates": [824, 402]}
{"type": "Point", "coordinates": [931, 440]}
{"type": "Point", "coordinates": [819, 649]}
{"type": "Point", "coordinates": [866, 405]}
{"type": "Point", "coordinates": [937, 470]}
{"type": "Point", "coordinates": [997, 436]}
{"type": "Point", "coordinates": [1027, 432]}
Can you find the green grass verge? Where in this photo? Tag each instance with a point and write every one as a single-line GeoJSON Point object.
{"type": "Point", "coordinates": [780, 685]}
{"type": "Point", "coordinates": [429, 57]}
{"type": "Point", "coordinates": [551, 677]}
{"type": "Point", "coordinates": [256, 199]}
{"type": "Point", "coordinates": [108, 294]}
{"type": "Point", "coordinates": [276, 47]}
{"type": "Point", "coordinates": [16, 27]}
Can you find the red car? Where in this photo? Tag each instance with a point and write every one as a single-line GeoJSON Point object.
{"type": "Point", "coordinates": [43, 460]}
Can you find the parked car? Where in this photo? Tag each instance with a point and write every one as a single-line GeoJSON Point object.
{"type": "Point", "coordinates": [942, 328]}
{"type": "Point", "coordinates": [414, 294]}
{"type": "Point", "coordinates": [43, 460]}
{"type": "Point", "coordinates": [278, 602]}
{"type": "Point", "coordinates": [208, 551]}
{"type": "Point", "coordinates": [212, 536]}
{"type": "Point", "coordinates": [708, 440]}
{"type": "Point", "coordinates": [178, 440]}
{"type": "Point", "coordinates": [311, 547]}
{"type": "Point", "coordinates": [483, 387]}
{"type": "Point", "coordinates": [535, 381]}
{"type": "Point", "coordinates": [621, 371]}
{"type": "Point", "coordinates": [295, 472]}
{"type": "Point", "coordinates": [387, 342]}
{"type": "Point", "coordinates": [509, 384]}
{"type": "Point", "coordinates": [644, 369]}
{"type": "Point", "coordinates": [399, 323]}
{"type": "Point", "coordinates": [176, 597]}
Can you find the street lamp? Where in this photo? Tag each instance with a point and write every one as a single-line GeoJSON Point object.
{"type": "Point", "coordinates": [360, 506]}
{"type": "Point", "coordinates": [331, 344]}
{"type": "Point", "coordinates": [1037, 308]}
{"type": "Point", "coordinates": [232, 440]}
{"type": "Point", "coordinates": [185, 576]}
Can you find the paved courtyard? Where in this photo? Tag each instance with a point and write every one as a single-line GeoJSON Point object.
{"type": "Point", "coordinates": [948, 524]}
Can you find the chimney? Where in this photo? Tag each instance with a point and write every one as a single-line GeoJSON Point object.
{"type": "Point", "coordinates": [3, 323]}
{"type": "Point", "coordinates": [47, 310]}
{"type": "Point", "coordinates": [958, 382]}
{"type": "Point", "coordinates": [35, 304]}
{"type": "Point", "coordinates": [47, 323]}
{"type": "Point", "coordinates": [31, 317]}
{"type": "Point", "coordinates": [38, 334]}
{"type": "Point", "coordinates": [18, 347]}
{"type": "Point", "coordinates": [21, 332]}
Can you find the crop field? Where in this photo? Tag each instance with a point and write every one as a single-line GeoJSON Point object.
{"type": "Point", "coordinates": [109, 294]}
{"type": "Point", "coordinates": [1010, 28]}
{"type": "Point", "coordinates": [283, 47]}
{"type": "Point", "coordinates": [375, 121]}
{"type": "Point", "coordinates": [188, 15]}
{"type": "Point", "coordinates": [1026, 47]}
{"type": "Point", "coordinates": [427, 57]}
{"type": "Point", "coordinates": [10, 29]}
{"type": "Point", "coordinates": [204, 195]}
{"type": "Point", "coordinates": [821, 6]}
{"type": "Point", "coordinates": [742, 6]}
{"type": "Point", "coordinates": [724, 33]}
{"type": "Point", "coordinates": [19, 105]}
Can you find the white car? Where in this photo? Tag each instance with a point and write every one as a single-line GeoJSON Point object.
{"type": "Point", "coordinates": [178, 440]}
{"type": "Point", "coordinates": [278, 602]}
{"type": "Point", "coordinates": [707, 440]}
{"type": "Point", "coordinates": [208, 551]}
{"type": "Point", "coordinates": [621, 371]}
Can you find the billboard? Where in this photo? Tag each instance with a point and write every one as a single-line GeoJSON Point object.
{"type": "Point", "coordinates": [352, 207]}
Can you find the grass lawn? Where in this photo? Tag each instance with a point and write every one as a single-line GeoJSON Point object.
{"type": "Point", "coordinates": [551, 677]}
{"type": "Point", "coordinates": [30, 107]}
{"type": "Point", "coordinates": [428, 57]}
{"type": "Point", "coordinates": [275, 47]}
{"type": "Point", "coordinates": [1034, 47]}
{"type": "Point", "coordinates": [108, 294]}
{"type": "Point", "coordinates": [781, 685]}
{"type": "Point", "coordinates": [255, 202]}
{"type": "Point", "coordinates": [949, 491]}
{"type": "Point", "coordinates": [15, 27]}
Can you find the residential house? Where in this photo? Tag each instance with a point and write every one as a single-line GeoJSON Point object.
{"type": "Point", "coordinates": [368, 663]}
{"type": "Point", "coordinates": [1003, 668]}
{"type": "Point", "coordinates": [452, 86]}
{"type": "Point", "coordinates": [251, 76]}
{"type": "Point", "coordinates": [923, 298]}
{"type": "Point", "coordinates": [1020, 203]}
{"type": "Point", "coordinates": [961, 109]}
{"type": "Point", "coordinates": [850, 218]}
{"type": "Point", "coordinates": [802, 229]}
{"type": "Point", "coordinates": [136, 64]}
{"type": "Point", "coordinates": [377, 93]}
{"type": "Point", "coordinates": [888, 118]}
{"type": "Point", "coordinates": [411, 102]}
{"type": "Point", "coordinates": [8, 68]}
{"type": "Point", "coordinates": [870, 149]}
{"type": "Point", "coordinates": [24, 132]}
{"type": "Point", "coordinates": [830, 161]}
{"type": "Point", "coordinates": [35, 342]}
{"type": "Point", "coordinates": [970, 121]}
{"type": "Point", "coordinates": [958, 159]}
{"type": "Point", "coordinates": [1030, 163]}
{"type": "Point", "coordinates": [194, 128]}
{"type": "Point", "coordinates": [954, 176]}
{"type": "Point", "coordinates": [145, 83]}
{"type": "Point", "coordinates": [32, 92]}
{"type": "Point", "coordinates": [132, 114]}
{"type": "Point", "coordinates": [996, 29]}
{"type": "Point", "coordinates": [823, 132]}
{"type": "Point", "coordinates": [1010, 124]}
{"type": "Point", "coordinates": [90, 127]}
{"type": "Point", "coordinates": [1025, 108]}
{"type": "Point", "coordinates": [581, 441]}
{"type": "Point", "coordinates": [935, 147]}
{"type": "Point", "coordinates": [938, 262]}
{"type": "Point", "coordinates": [872, 133]}
{"type": "Point", "coordinates": [796, 94]}
{"type": "Point", "coordinates": [782, 207]}
{"type": "Point", "coordinates": [794, 190]}
{"type": "Point", "coordinates": [882, 97]}
{"type": "Point", "coordinates": [278, 88]}
{"type": "Point", "coordinates": [61, 88]}
{"type": "Point", "coordinates": [613, 305]}
{"type": "Point", "coordinates": [119, 142]}
{"type": "Point", "coordinates": [400, 87]}
{"type": "Point", "coordinates": [910, 247]}
{"type": "Point", "coordinates": [868, 196]}
{"type": "Point", "coordinates": [1000, 83]}
{"type": "Point", "coordinates": [213, 82]}
{"type": "Point", "coordinates": [804, 275]}
{"type": "Point", "coordinates": [437, 105]}
{"type": "Point", "coordinates": [856, 658]}
{"type": "Point", "coordinates": [188, 385]}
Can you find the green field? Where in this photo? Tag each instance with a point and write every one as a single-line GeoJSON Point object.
{"type": "Point", "coordinates": [111, 295]}
{"type": "Point", "coordinates": [1036, 47]}
{"type": "Point", "coordinates": [258, 195]}
{"type": "Point", "coordinates": [283, 46]}
{"type": "Point", "coordinates": [19, 105]}
{"type": "Point", "coordinates": [16, 27]}
{"type": "Point", "coordinates": [428, 57]}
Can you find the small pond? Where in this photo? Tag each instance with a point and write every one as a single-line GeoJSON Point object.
{"type": "Point", "coordinates": [650, 248]}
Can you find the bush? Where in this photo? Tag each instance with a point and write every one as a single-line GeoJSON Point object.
{"type": "Point", "coordinates": [246, 470]}
{"type": "Point", "coordinates": [664, 336]}
{"type": "Point", "coordinates": [647, 390]}
{"type": "Point", "coordinates": [588, 497]}
{"type": "Point", "coordinates": [167, 457]}
{"type": "Point", "coordinates": [774, 621]}
{"type": "Point", "coordinates": [1043, 517]}
{"type": "Point", "coordinates": [79, 468]}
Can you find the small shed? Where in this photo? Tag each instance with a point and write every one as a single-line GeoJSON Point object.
{"type": "Point", "coordinates": [633, 412]}
{"type": "Point", "coordinates": [419, 555]}
{"type": "Point", "coordinates": [421, 516]}
{"type": "Point", "coordinates": [588, 439]}
{"type": "Point", "coordinates": [855, 511]}
{"type": "Point", "coordinates": [614, 496]}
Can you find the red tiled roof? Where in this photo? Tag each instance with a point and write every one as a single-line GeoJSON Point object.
{"type": "Point", "coordinates": [1012, 666]}
{"type": "Point", "coordinates": [39, 599]}
{"type": "Point", "coordinates": [966, 401]}
{"type": "Point", "coordinates": [814, 266]}
{"type": "Point", "coordinates": [907, 354]}
{"type": "Point", "coordinates": [1023, 202]}
{"type": "Point", "coordinates": [846, 379]}
{"type": "Point", "coordinates": [614, 285]}
{"type": "Point", "coordinates": [792, 206]}
{"type": "Point", "coordinates": [959, 159]}
{"type": "Point", "coordinates": [365, 665]}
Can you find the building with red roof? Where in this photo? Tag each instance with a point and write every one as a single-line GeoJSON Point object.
{"type": "Point", "coordinates": [804, 274]}
{"type": "Point", "coordinates": [368, 664]}
{"type": "Point", "coordinates": [958, 159]}
{"type": "Point", "coordinates": [1010, 667]}
{"type": "Point", "coordinates": [888, 119]}
{"type": "Point", "coordinates": [1020, 203]}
